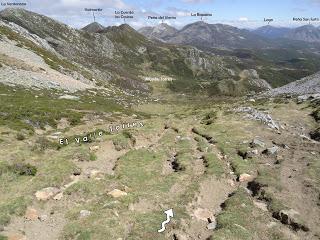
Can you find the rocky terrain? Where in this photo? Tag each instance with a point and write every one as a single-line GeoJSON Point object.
{"type": "Point", "coordinates": [23, 67]}
{"type": "Point", "coordinates": [305, 86]}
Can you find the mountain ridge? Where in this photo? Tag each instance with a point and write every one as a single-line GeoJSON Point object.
{"type": "Point", "coordinates": [93, 27]}
{"type": "Point", "coordinates": [272, 32]}
{"type": "Point", "coordinates": [205, 35]}
{"type": "Point", "coordinates": [121, 55]}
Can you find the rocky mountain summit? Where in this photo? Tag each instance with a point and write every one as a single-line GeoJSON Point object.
{"type": "Point", "coordinates": [162, 31]}
{"type": "Point", "coordinates": [307, 33]}
{"type": "Point", "coordinates": [94, 27]}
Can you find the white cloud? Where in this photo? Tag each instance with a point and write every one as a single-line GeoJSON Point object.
{"type": "Point", "coordinates": [172, 11]}
{"type": "Point", "coordinates": [243, 19]}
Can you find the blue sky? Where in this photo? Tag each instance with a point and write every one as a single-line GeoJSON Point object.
{"type": "Point", "coordinates": [240, 13]}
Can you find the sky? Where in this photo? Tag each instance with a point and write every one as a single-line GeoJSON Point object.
{"type": "Point", "coordinates": [239, 13]}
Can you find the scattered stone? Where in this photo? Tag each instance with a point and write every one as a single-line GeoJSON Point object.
{"type": "Point", "coordinates": [245, 177]}
{"type": "Point", "coordinates": [116, 193]}
{"type": "Point", "coordinates": [282, 145]}
{"type": "Point", "coordinates": [43, 218]}
{"type": "Point", "coordinates": [252, 100]}
{"type": "Point", "coordinates": [46, 193]}
{"type": "Point", "coordinates": [95, 173]}
{"type": "Point", "coordinates": [271, 151]}
{"type": "Point", "coordinates": [255, 152]}
{"type": "Point", "coordinates": [84, 213]}
{"type": "Point", "coordinates": [77, 171]}
{"type": "Point", "coordinates": [231, 182]}
{"type": "Point", "coordinates": [302, 98]}
{"type": "Point", "coordinates": [279, 159]}
{"type": "Point", "coordinates": [69, 97]}
{"type": "Point", "coordinates": [126, 189]}
{"type": "Point", "coordinates": [257, 143]}
{"type": "Point", "coordinates": [213, 224]}
{"type": "Point", "coordinates": [254, 114]}
{"type": "Point", "coordinates": [259, 116]}
{"type": "Point", "coordinates": [31, 214]}
{"type": "Point", "coordinates": [58, 197]}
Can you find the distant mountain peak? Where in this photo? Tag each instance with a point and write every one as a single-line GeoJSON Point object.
{"type": "Point", "coordinates": [272, 32]}
{"type": "Point", "coordinates": [160, 32]}
{"type": "Point", "coordinates": [205, 36]}
{"type": "Point", "coordinates": [307, 33]}
{"type": "Point", "coordinates": [93, 27]}
{"type": "Point", "coordinates": [308, 26]}
{"type": "Point", "coordinates": [125, 26]}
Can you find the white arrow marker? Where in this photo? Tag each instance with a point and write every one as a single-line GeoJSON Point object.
{"type": "Point", "coordinates": [169, 214]}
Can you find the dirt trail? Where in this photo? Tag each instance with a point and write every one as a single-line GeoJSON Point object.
{"type": "Point", "coordinates": [212, 193]}
{"type": "Point", "coordinates": [107, 157]}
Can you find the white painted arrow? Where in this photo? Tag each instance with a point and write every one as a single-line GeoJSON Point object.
{"type": "Point", "coordinates": [169, 214]}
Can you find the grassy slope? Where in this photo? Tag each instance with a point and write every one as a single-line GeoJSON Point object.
{"type": "Point", "coordinates": [26, 111]}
